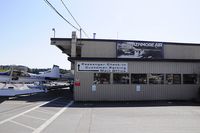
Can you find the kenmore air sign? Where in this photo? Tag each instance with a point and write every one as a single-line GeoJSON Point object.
{"type": "Point", "coordinates": [143, 50]}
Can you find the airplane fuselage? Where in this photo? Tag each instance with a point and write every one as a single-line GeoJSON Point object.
{"type": "Point", "coordinates": [22, 77]}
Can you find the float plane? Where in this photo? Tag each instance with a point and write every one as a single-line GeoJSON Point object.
{"type": "Point", "coordinates": [15, 76]}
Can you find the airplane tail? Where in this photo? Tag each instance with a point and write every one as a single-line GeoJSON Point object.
{"type": "Point", "coordinates": [54, 73]}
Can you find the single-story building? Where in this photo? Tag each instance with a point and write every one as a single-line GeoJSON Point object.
{"type": "Point", "coordinates": [129, 70]}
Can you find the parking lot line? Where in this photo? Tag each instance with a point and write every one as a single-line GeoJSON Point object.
{"type": "Point", "coordinates": [22, 125]}
{"type": "Point", "coordinates": [44, 111]}
{"type": "Point", "coordinates": [33, 117]}
{"type": "Point", "coordinates": [14, 109]}
{"type": "Point", "coordinates": [49, 121]}
{"type": "Point", "coordinates": [13, 117]}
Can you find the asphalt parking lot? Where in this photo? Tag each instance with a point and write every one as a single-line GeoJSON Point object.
{"type": "Point", "coordinates": [56, 112]}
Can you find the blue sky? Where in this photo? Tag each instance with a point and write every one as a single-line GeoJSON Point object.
{"type": "Point", "coordinates": [26, 26]}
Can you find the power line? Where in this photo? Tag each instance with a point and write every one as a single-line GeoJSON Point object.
{"type": "Point", "coordinates": [81, 29]}
{"type": "Point", "coordinates": [70, 13]}
{"type": "Point", "coordinates": [49, 4]}
{"type": "Point", "coordinates": [85, 33]}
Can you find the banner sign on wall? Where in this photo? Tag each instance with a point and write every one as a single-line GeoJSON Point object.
{"type": "Point", "coordinates": [102, 67]}
{"type": "Point", "coordinates": [138, 49]}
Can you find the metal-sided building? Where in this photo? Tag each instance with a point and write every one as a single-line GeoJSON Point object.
{"type": "Point", "coordinates": [129, 70]}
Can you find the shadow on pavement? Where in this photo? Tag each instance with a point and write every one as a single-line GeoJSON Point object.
{"type": "Point", "coordinates": [65, 94]}
{"type": "Point", "coordinates": [2, 99]}
{"type": "Point", "coordinates": [133, 104]}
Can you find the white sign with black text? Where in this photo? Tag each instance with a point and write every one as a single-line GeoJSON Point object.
{"type": "Point", "coordinates": [138, 88]}
{"type": "Point", "coordinates": [102, 67]}
{"type": "Point", "coordinates": [94, 87]}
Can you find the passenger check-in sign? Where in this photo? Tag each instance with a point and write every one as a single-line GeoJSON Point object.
{"type": "Point", "coordinates": [102, 67]}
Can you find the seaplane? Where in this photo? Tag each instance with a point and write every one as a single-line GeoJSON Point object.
{"type": "Point", "coordinates": [17, 82]}
{"type": "Point", "coordinates": [16, 76]}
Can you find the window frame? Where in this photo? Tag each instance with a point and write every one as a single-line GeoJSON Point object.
{"type": "Point", "coordinates": [172, 79]}
{"type": "Point", "coordinates": [180, 79]}
{"type": "Point", "coordinates": [156, 74]}
{"type": "Point", "coordinates": [132, 75]}
{"type": "Point", "coordinates": [188, 81]}
{"type": "Point", "coordinates": [96, 81]}
{"type": "Point", "coordinates": [113, 81]}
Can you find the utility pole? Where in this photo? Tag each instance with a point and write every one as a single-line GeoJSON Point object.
{"type": "Point", "coordinates": [80, 33]}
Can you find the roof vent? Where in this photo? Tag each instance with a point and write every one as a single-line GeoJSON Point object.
{"type": "Point", "coordinates": [94, 35]}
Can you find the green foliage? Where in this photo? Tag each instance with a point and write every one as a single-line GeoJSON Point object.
{"type": "Point", "coordinates": [64, 71]}
{"type": "Point", "coordinates": [37, 70]}
{"type": "Point", "coordinates": [33, 70]}
{"type": "Point", "coordinates": [3, 70]}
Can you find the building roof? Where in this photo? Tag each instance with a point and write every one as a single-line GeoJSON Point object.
{"type": "Point", "coordinates": [117, 40]}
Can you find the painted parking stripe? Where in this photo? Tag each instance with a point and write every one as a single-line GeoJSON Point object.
{"type": "Point", "coordinates": [44, 111]}
{"type": "Point", "coordinates": [13, 117]}
{"type": "Point", "coordinates": [54, 117]}
{"type": "Point", "coordinates": [14, 109]}
{"type": "Point", "coordinates": [20, 124]}
{"type": "Point", "coordinates": [33, 117]}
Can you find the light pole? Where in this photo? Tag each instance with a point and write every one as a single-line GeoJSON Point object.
{"type": "Point", "coordinates": [54, 32]}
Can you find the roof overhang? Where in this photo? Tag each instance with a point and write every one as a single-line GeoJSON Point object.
{"type": "Point", "coordinates": [72, 59]}
{"type": "Point", "coordinates": [63, 44]}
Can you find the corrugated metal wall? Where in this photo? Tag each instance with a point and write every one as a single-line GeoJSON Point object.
{"type": "Point", "coordinates": [181, 52]}
{"type": "Point", "coordinates": [107, 49]}
{"type": "Point", "coordinates": [98, 49]}
{"type": "Point", "coordinates": [121, 92]}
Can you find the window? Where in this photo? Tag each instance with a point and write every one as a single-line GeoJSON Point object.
{"type": "Point", "coordinates": [176, 78]}
{"type": "Point", "coordinates": [173, 78]}
{"type": "Point", "coordinates": [169, 78]}
{"type": "Point", "coordinates": [190, 78]}
{"type": "Point", "coordinates": [102, 78]}
{"type": "Point", "coordinates": [156, 78]}
{"type": "Point", "coordinates": [119, 78]}
{"type": "Point", "coordinates": [139, 78]}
